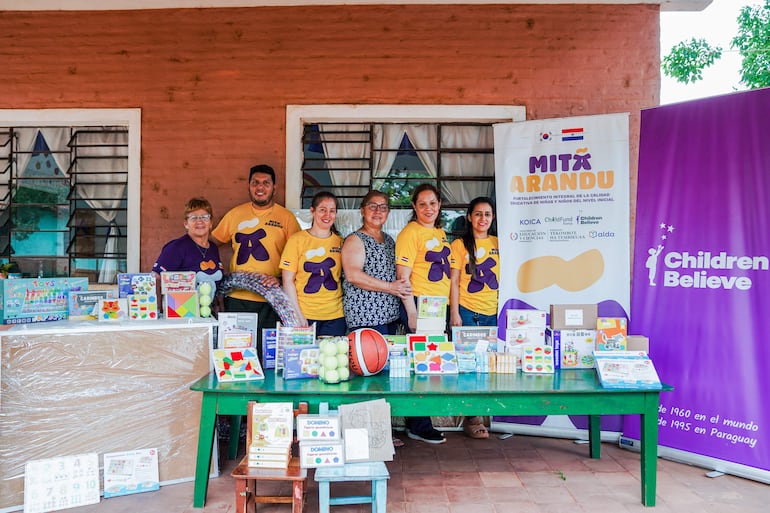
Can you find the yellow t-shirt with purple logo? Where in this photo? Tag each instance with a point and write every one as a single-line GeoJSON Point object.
{"type": "Point", "coordinates": [258, 238]}
{"type": "Point", "coordinates": [318, 272]}
{"type": "Point", "coordinates": [426, 251]}
{"type": "Point", "coordinates": [478, 293]}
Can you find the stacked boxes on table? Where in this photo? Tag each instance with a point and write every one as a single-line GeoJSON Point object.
{"type": "Point", "coordinates": [572, 335]}
{"type": "Point", "coordinates": [272, 435]}
{"type": "Point", "coordinates": [320, 440]}
{"type": "Point", "coordinates": [431, 314]}
{"type": "Point", "coordinates": [525, 334]}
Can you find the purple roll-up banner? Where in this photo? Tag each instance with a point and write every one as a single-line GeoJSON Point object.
{"type": "Point", "coordinates": [701, 278]}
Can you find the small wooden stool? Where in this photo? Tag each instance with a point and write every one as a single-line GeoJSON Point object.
{"type": "Point", "coordinates": [246, 477]}
{"type": "Point", "coordinates": [375, 471]}
{"type": "Point", "coordinates": [246, 485]}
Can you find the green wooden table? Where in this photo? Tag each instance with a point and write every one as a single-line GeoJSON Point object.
{"type": "Point", "coordinates": [573, 392]}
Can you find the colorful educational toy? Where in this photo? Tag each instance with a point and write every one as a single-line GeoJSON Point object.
{"type": "Point", "coordinates": [237, 364]}
{"type": "Point", "coordinates": [434, 358]}
{"type": "Point", "coordinates": [181, 303]}
{"type": "Point", "coordinates": [37, 299]}
{"type": "Point", "coordinates": [537, 360]}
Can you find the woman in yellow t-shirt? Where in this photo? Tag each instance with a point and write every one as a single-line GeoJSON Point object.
{"type": "Point", "coordinates": [311, 269]}
{"type": "Point", "coordinates": [476, 269]}
{"type": "Point", "coordinates": [475, 281]}
{"type": "Point", "coordinates": [423, 256]}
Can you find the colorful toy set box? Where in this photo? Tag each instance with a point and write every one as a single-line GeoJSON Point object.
{"type": "Point", "coordinates": [27, 300]}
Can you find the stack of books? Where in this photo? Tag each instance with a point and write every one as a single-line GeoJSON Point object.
{"type": "Point", "coordinates": [271, 436]}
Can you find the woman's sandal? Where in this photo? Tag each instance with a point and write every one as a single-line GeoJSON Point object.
{"type": "Point", "coordinates": [397, 442]}
{"type": "Point", "coordinates": [475, 428]}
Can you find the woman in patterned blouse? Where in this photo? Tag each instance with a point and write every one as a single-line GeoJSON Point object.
{"type": "Point", "coordinates": [372, 294]}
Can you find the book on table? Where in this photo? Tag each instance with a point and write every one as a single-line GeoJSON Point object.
{"type": "Point", "coordinates": [626, 369]}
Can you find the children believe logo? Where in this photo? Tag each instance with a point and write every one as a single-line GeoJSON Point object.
{"type": "Point", "coordinates": [701, 269]}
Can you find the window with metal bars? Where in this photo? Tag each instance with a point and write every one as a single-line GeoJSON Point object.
{"type": "Point", "coordinates": [351, 158]}
{"type": "Point", "coordinates": [63, 197]}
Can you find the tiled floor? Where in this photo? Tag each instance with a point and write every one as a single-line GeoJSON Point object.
{"type": "Point", "coordinates": [518, 474]}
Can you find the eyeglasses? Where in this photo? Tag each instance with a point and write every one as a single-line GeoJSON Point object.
{"type": "Point", "coordinates": [377, 207]}
{"type": "Point", "coordinates": [204, 217]}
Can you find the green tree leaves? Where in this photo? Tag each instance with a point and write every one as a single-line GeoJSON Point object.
{"type": "Point", "coordinates": [688, 59]}
{"type": "Point", "coordinates": [753, 43]}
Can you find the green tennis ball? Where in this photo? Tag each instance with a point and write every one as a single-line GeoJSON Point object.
{"type": "Point", "coordinates": [205, 288]}
{"type": "Point", "coordinates": [205, 300]}
{"type": "Point", "coordinates": [205, 311]}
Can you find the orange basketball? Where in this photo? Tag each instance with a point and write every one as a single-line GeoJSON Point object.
{"type": "Point", "coordinates": [368, 352]}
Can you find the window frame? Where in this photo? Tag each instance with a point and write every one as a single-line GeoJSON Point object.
{"type": "Point", "coordinates": [299, 115]}
{"type": "Point", "coordinates": [131, 119]}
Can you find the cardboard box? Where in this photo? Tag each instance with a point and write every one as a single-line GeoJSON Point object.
{"type": "Point", "coordinates": [573, 349]}
{"type": "Point", "coordinates": [573, 317]}
{"type": "Point", "coordinates": [611, 333]}
{"type": "Point", "coordinates": [638, 343]}
{"type": "Point", "coordinates": [521, 318]}
{"type": "Point", "coordinates": [321, 454]}
{"type": "Point", "coordinates": [25, 300]}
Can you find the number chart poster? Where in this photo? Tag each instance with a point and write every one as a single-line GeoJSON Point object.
{"type": "Point", "coordinates": [563, 217]}
{"type": "Point", "coordinates": [701, 281]}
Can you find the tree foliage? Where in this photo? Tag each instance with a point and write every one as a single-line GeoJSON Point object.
{"type": "Point", "coordinates": [687, 60]}
{"type": "Point", "coordinates": [753, 43]}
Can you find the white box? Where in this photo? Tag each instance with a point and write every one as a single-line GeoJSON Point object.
{"type": "Point", "coordinates": [318, 428]}
{"type": "Point", "coordinates": [431, 325]}
{"type": "Point", "coordinates": [534, 336]}
{"type": "Point", "coordinates": [321, 454]}
{"type": "Point", "coordinates": [523, 318]}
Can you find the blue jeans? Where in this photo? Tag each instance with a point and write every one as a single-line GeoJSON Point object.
{"type": "Point", "coordinates": [471, 318]}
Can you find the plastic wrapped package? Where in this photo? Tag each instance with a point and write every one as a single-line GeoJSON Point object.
{"type": "Point", "coordinates": [74, 388]}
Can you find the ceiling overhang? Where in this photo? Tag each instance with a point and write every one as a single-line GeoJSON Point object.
{"type": "Point", "coordinates": [127, 5]}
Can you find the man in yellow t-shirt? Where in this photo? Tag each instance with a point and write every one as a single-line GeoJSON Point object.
{"type": "Point", "coordinates": [258, 231]}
